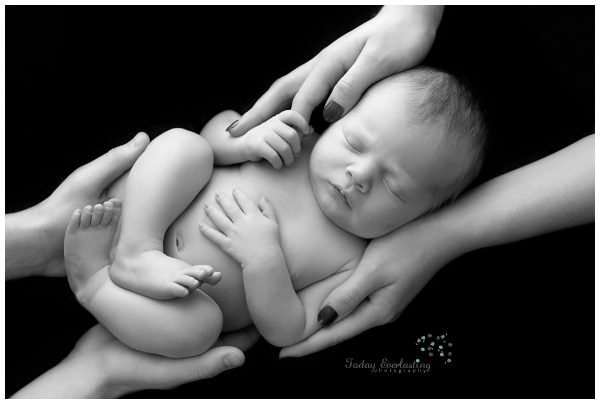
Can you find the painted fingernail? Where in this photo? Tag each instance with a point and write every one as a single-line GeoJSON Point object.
{"type": "Point", "coordinates": [327, 315]}
{"type": "Point", "coordinates": [332, 111]}
{"type": "Point", "coordinates": [232, 125]}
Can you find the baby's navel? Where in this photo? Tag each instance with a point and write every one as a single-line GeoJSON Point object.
{"type": "Point", "coordinates": [179, 244]}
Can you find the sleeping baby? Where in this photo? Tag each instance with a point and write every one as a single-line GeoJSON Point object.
{"type": "Point", "coordinates": [203, 235]}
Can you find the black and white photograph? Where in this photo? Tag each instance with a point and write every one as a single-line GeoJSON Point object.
{"type": "Point", "coordinates": [299, 201]}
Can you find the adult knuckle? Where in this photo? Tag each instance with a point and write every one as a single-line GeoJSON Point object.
{"type": "Point", "coordinates": [114, 153]}
{"type": "Point", "coordinates": [205, 372]}
{"type": "Point", "coordinates": [349, 296]}
{"type": "Point", "coordinates": [346, 86]}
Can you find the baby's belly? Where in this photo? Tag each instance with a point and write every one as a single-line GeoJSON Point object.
{"type": "Point", "coordinates": [183, 240]}
{"type": "Point", "coordinates": [314, 248]}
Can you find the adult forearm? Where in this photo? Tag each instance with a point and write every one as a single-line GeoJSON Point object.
{"type": "Point", "coordinates": [25, 237]}
{"type": "Point", "coordinates": [553, 193]}
{"type": "Point", "coordinates": [72, 378]}
{"type": "Point", "coordinates": [274, 306]}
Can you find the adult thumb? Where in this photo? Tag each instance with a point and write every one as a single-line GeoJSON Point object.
{"type": "Point", "coordinates": [201, 367]}
{"type": "Point", "coordinates": [111, 165]}
{"type": "Point", "coordinates": [345, 298]}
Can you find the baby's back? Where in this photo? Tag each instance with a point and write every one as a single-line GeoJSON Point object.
{"type": "Point", "coordinates": [314, 247]}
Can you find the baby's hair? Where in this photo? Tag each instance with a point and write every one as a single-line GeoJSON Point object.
{"type": "Point", "coordinates": [443, 99]}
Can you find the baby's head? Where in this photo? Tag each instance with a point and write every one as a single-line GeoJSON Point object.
{"type": "Point", "coordinates": [413, 142]}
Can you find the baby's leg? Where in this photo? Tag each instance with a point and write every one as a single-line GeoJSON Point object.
{"type": "Point", "coordinates": [161, 184]}
{"type": "Point", "coordinates": [176, 328]}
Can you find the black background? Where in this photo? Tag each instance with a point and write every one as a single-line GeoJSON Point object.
{"type": "Point", "coordinates": [80, 80]}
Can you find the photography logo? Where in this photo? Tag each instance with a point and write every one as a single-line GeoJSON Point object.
{"type": "Point", "coordinates": [431, 351]}
{"type": "Point", "coordinates": [434, 349]}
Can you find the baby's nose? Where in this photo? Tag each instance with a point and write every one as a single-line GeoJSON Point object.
{"type": "Point", "coordinates": [355, 178]}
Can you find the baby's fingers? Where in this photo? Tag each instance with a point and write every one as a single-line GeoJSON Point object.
{"type": "Point", "coordinates": [213, 235]}
{"type": "Point", "coordinates": [245, 203]}
{"type": "Point", "coordinates": [218, 217]}
{"type": "Point", "coordinates": [291, 135]}
{"type": "Point", "coordinates": [293, 118]}
{"type": "Point", "coordinates": [282, 147]}
{"type": "Point", "coordinates": [269, 154]}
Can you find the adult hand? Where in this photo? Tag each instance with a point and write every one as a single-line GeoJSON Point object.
{"type": "Point", "coordinates": [398, 38]}
{"type": "Point", "coordinates": [35, 237]}
{"type": "Point", "coordinates": [100, 366]}
{"type": "Point", "coordinates": [391, 273]}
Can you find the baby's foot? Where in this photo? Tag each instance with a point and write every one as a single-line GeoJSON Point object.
{"type": "Point", "coordinates": [88, 240]}
{"type": "Point", "coordinates": [154, 274]}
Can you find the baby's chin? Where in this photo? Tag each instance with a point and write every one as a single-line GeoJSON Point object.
{"type": "Point", "coordinates": [343, 220]}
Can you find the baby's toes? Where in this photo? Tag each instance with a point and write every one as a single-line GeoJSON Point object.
{"type": "Point", "coordinates": [74, 221]}
{"type": "Point", "coordinates": [86, 217]}
{"type": "Point", "coordinates": [97, 213]}
{"type": "Point", "coordinates": [177, 290]}
{"type": "Point", "coordinates": [214, 278]}
{"type": "Point", "coordinates": [117, 209]}
{"type": "Point", "coordinates": [200, 272]}
{"type": "Point", "coordinates": [108, 213]}
{"type": "Point", "coordinates": [187, 282]}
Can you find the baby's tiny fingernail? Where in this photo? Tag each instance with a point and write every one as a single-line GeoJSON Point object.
{"type": "Point", "coordinates": [201, 226]}
{"type": "Point", "coordinates": [327, 315]}
{"type": "Point", "coordinates": [232, 125]}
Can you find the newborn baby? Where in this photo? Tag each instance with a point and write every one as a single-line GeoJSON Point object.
{"type": "Point", "coordinates": [281, 240]}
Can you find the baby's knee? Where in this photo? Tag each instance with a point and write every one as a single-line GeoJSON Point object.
{"type": "Point", "coordinates": [189, 147]}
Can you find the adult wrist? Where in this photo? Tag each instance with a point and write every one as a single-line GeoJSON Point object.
{"type": "Point", "coordinates": [426, 18]}
{"type": "Point", "coordinates": [446, 233]}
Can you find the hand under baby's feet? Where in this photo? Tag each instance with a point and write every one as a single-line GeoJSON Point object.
{"type": "Point", "coordinates": [86, 185]}
{"type": "Point", "coordinates": [152, 273]}
{"type": "Point", "coordinates": [88, 240]}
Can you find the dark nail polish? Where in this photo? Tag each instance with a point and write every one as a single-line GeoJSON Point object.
{"type": "Point", "coordinates": [232, 125]}
{"type": "Point", "coordinates": [327, 315]}
{"type": "Point", "coordinates": [332, 111]}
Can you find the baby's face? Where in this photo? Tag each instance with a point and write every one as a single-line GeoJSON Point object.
{"type": "Point", "coordinates": [373, 171]}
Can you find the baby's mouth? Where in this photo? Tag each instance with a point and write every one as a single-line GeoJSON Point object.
{"type": "Point", "coordinates": [341, 195]}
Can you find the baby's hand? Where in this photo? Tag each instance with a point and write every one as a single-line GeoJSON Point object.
{"type": "Point", "coordinates": [247, 231]}
{"type": "Point", "coordinates": [277, 140]}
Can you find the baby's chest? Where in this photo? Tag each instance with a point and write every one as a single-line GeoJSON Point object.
{"type": "Point", "coordinates": [315, 249]}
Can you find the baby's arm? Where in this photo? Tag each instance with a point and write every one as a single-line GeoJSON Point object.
{"type": "Point", "coordinates": [250, 235]}
{"type": "Point", "coordinates": [276, 140]}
